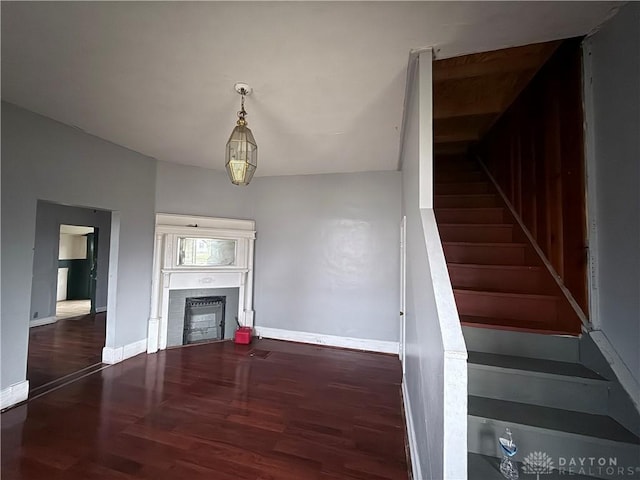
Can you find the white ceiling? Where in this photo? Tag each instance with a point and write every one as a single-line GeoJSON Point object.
{"type": "Point", "coordinates": [328, 78]}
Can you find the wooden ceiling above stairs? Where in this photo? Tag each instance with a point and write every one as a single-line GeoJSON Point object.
{"type": "Point", "coordinates": [471, 92]}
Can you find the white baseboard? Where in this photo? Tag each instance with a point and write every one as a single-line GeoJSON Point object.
{"type": "Point", "coordinates": [331, 340]}
{"type": "Point", "coordinates": [625, 377]}
{"type": "Point", "coordinates": [101, 309]}
{"type": "Point", "coordinates": [37, 322]}
{"type": "Point", "coordinates": [416, 471]}
{"type": "Point", "coordinates": [112, 355]}
{"type": "Point", "coordinates": [16, 393]}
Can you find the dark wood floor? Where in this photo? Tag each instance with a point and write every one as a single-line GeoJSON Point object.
{"type": "Point", "coordinates": [64, 347]}
{"type": "Point", "coordinates": [272, 410]}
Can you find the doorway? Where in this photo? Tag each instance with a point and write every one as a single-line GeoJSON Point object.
{"type": "Point", "coordinates": [68, 295]}
{"type": "Point", "coordinates": [77, 271]}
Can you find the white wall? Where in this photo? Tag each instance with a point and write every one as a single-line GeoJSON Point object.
{"type": "Point", "coordinates": [72, 246]}
{"type": "Point", "coordinates": [613, 100]}
{"type": "Point", "coordinates": [49, 217]}
{"type": "Point", "coordinates": [46, 160]}
{"type": "Point", "coordinates": [435, 382]}
{"type": "Point", "coordinates": [326, 253]}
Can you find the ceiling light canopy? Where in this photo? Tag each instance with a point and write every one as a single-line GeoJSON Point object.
{"type": "Point", "coordinates": [241, 158]}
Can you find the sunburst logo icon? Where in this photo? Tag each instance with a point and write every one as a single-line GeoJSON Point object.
{"type": "Point", "coordinates": [537, 463]}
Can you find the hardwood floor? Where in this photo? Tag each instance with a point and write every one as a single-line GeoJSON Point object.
{"type": "Point", "coordinates": [64, 347]}
{"type": "Point", "coordinates": [270, 410]}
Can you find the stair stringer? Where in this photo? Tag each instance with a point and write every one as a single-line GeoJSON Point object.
{"type": "Point", "coordinates": [596, 352]}
{"type": "Point", "coordinates": [586, 324]}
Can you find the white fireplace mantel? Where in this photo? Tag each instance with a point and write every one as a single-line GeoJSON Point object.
{"type": "Point", "coordinates": [169, 274]}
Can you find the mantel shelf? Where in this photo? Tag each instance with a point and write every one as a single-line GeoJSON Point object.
{"type": "Point", "coordinates": [205, 270]}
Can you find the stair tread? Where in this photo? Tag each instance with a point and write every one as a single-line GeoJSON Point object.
{"type": "Point", "coordinates": [506, 225]}
{"type": "Point", "coordinates": [498, 267]}
{"type": "Point", "coordinates": [540, 296]}
{"type": "Point", "coordinates": [465, 195]}
{"type": "Point", "coordinates": [486, 244]}
{"type": "Point", "coordinates": [457, 209]}
{"type": "Point", "coordinates": [463, 182]}
{"type": "Point", "coordinates": [590, 425]}
{"type": "Point", "coordinates": [534, 365]}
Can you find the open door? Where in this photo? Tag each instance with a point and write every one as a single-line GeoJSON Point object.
{"type": "Point", "coordinates": [92, 257]}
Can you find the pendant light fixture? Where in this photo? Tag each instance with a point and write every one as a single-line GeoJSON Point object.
{"type": "Point", "coordinates": [241, 158]}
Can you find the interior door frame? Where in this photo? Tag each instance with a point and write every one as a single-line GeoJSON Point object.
{"type": "Point", "coordinates": [403, 294]}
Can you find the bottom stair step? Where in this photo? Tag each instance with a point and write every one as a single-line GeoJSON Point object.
{"type": "Point", "coordinates": [558, 433]}
{"type": "Point", "coordinates": [599, 427]}
{"type": "Point", "coordinates": [483, 467]}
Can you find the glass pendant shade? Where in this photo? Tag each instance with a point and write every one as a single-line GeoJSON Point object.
{"type": "Point", "coordinates": [242, 155]}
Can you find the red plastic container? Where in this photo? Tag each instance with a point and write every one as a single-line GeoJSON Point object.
{"type": "Point", "coordinates": [243, 336]}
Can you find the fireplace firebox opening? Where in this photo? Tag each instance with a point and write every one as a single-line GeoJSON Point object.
{"type": "Point", "coordinates": [203, 319]}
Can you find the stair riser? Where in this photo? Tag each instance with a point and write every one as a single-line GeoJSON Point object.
{"type": "Point", "coordinates": [482, 255]}
{"type": "Point", "coordinates": [536, 309]}
{"type": "Point", "coordinates": [471, 201]}
{"type": "Point", "coordinates": [526, 280]}
{"type": "Point", "coordinates": [476, 233]}
{"type": "Point", "coordinates": [483, 433]}
{"type": "Point", "coordinates": [503, 342]}
{"type": "Point", "coordinates": [456, 167]}
{"type": "Point", "coordinates": [470, 215]}
{"type": "Point", "coordinates": [568, 393]}
{"type": "Point", "coordinates": [459, 176]}
{"type": "Point", "coordinates": [462, 188]}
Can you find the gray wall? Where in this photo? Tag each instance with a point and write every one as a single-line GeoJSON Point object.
{"type": "Point", "coordinates": [615, 90]}
{"type": "Point", "coordinates": [46, 160]}
{"type": "Point", "coordinates": [49, 217]}
{"type": "Point", "coordinates": [188, 190]}
{"type": "Point", "coordinates": [326, 258]}
{"type": "Point", "coordinates": [327, 254]}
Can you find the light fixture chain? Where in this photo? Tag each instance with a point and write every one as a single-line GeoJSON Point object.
{"type": "Point", "coordinates": [242, 113]}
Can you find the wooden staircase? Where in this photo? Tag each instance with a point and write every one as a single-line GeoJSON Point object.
{"type": "Point", "coordinates": [498, 279]}
{"type": "Point", "coordinates": [525, 367]}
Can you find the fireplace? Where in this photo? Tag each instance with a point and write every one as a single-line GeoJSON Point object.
{"type": "Point", "coordinates": [200, 257]}
{"type": "Point", "coordinates": [203, 319]}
